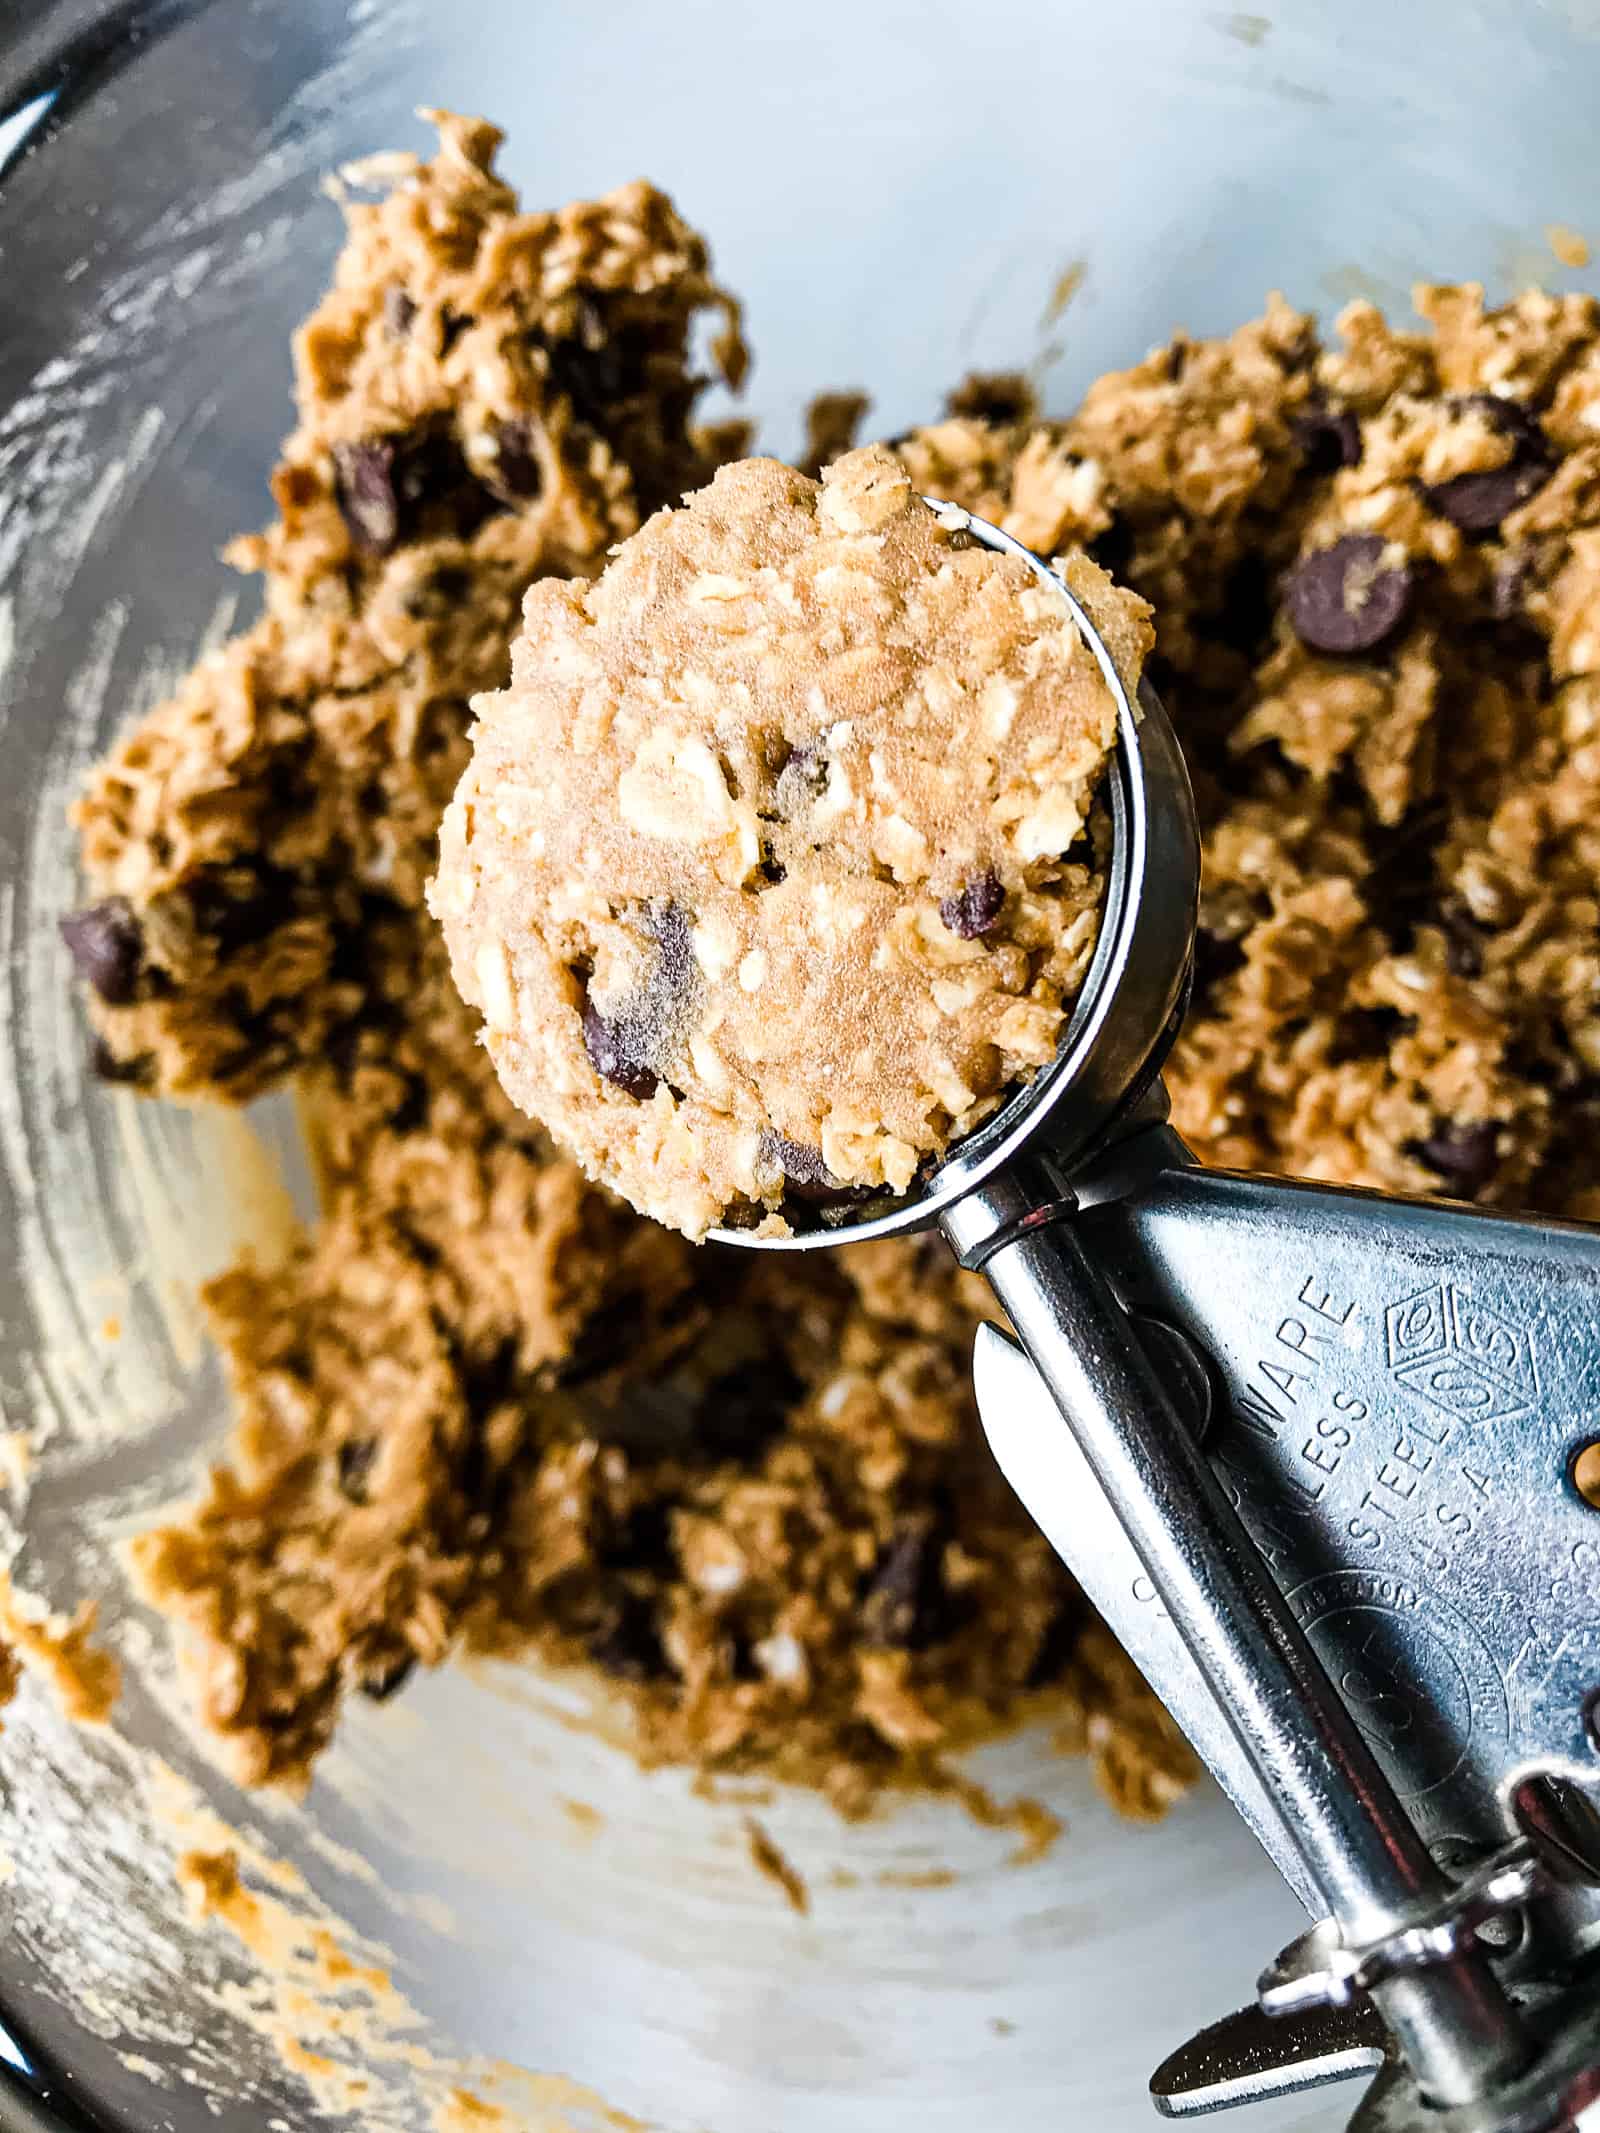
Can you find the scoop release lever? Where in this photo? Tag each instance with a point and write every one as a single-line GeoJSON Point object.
{"type": "Point", "coordinates": [1315, 1455]}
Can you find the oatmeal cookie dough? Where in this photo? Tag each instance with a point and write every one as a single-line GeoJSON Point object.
{"type": "Point", "coordinates": [770, 874]}
{"type": "Point", "coordinates": [485, 396]}
{"type": "Point", "coordinates": [451, 1427]}
{"type": "Point", "coordinates": [481, 1403]}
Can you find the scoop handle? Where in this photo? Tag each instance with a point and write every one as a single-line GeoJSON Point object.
{"type": "Point", "coordinates": [1359, 1848]}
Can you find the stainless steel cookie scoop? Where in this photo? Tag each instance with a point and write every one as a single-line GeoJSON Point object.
{"type": "Point", "coordinates": [1313, 1455]}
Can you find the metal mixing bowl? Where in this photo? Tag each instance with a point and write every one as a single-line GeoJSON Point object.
{"type": "Point", "coordinates": [900, 191]}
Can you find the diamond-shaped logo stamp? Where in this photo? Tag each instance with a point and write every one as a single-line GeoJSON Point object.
{"type": "Point", "coordinates": [1460, 1355]}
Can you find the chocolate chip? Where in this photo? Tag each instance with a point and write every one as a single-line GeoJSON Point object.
{"type": "Point", "coordinates": [517, 476]}
{"type": "Point", "coordinates": [438, 491]}
{"type": "Point", "coordinates": [807, 1176]}
{"type": "Point", "coordinates": [1328, 438]}
{"type": "Point", "coordinates": [1346, 598]}
{"type": "Point", "coordinates": [1464, 1156]}
{"type": "Point", "coordinates": [598, 366]}
{"type": "Point", "coordinates": [365, 488]}
{"type": "Point", "coordinates": [390, 489]}
{"type": "Point", "coordinates": [628, 1646]}
{"type": "Point", "coordinates": [613, 1058]}
{"type": "Point", "coordinates": [747, 1407]}
{"type": "Point", "coordinates": [975, 909]}
{"type": "Point", "coordinates": [802, 781]}
{"type": "Point", "coordinates": [399, 312]}
{"type": "Point", "coordinates": [381, 1682]}
{"type": "Point", "coordinates": [357, 1457]}
{"type": "Point", "coordinates": [1477, 502]}
{"type": "Point", "coordinates": [625, 1048]}
{"type": "Point", "coordinates": [106, 944]}
{"type": "Point", "coordinates": [904, 1603]}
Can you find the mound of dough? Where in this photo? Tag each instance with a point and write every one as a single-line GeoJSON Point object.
{"type": "Point", "coordinates": [772, 872]}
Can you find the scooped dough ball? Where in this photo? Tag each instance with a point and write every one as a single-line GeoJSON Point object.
{"type": "Point", "coordinates": [771, 872]}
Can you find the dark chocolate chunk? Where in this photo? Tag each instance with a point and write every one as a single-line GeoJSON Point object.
{"type": "Point", "coordinates": [399, 312]}
{"type": "Point", "coordinates": [904, 1604]}
{"type": "Point", "coordinates": [625, 1048]}
{"type": "Point", "coordinates": [391, 488]}
{"type": "Point", "coordinates": [106, 944]}
{"type": "Point", "coordinates": [613, 1057]}
{"type": "Point", "coordinates": [1464, 1156]}
{"type": "Point", "coordinates": [438, 491]}
{"type": "Point", "coordinates": [802, 781]}
{"type": "Point", "coordinates": [807, 1176]}
{"type": "Point", "coordinates": [517, 476]}
{"type": "Point", "coordinates": [597, 366]}
{"type": "Point", "coordinates": [1346, 598]}
{"type": "Point", "coordinates": [1478, 501]}
{"type": "Point", "coordinates": [357, 1457]}
{"type": "Point", "coordinates": [364, 484]}
{"type": "Point", "coordinates": [628, 1646]}
{"type": "Point", "coordinates": [1328, 437]}
{"type": "Point", "coordinates": [381, 1682]}
{"type": "Point", "coordinates": [975, 908]}
{"type": "Point", "coordinates": [748, 1406]}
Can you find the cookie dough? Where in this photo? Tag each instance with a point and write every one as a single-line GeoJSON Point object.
{"type": "Point", "coordinates": [771, 872]}
{"type": "Point", "coordinates": [485, 397]}
{"type": "Point", "coordinates": [814, 1569]}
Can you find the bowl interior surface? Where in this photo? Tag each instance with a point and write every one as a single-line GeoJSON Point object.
{"type": "Point", "coordinates": [900, 193]}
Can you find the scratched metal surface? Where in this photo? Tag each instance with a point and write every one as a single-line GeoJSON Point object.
{"type": "Point", "coordinates": [900, 191]}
